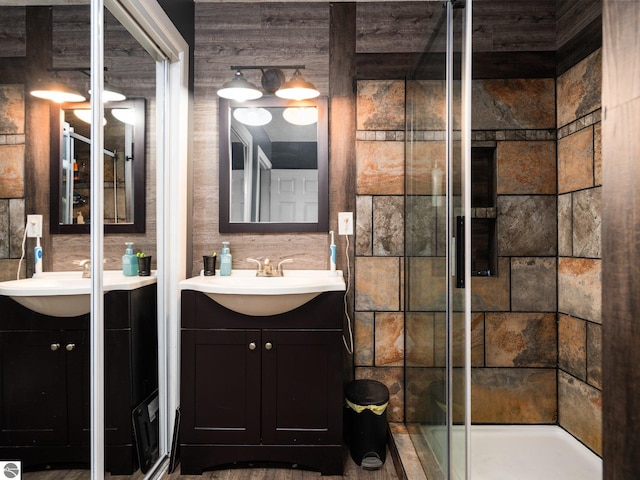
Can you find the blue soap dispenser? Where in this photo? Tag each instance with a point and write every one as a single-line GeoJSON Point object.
{"type": "Point", "coordinates": [225, 260]}
{"type": "Point", "coordinates": [129, 261]}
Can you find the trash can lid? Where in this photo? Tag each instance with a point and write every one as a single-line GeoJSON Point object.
{"type": "Point", "coordinates": [367, 392]}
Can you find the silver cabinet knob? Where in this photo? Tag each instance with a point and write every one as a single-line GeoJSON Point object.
{"type": "Point", "coordinates": [55, 346]}
{"type": "Point", "coordinates": [268, 346]}
{"type": "Point", "coordinates": [252, 346]}
{"type": "Point", "coordinates": [70, 346]}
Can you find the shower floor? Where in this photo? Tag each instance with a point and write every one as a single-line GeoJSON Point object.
{"type": "Point", "coordinates": [523, 453]}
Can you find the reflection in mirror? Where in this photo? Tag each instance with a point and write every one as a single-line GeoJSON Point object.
{"type": "Point", "coordinates": [124, 167]}
{"type": "Point", "coordinates": [273, 166]}
{"type": "Point", "coordinates": [45, 402]}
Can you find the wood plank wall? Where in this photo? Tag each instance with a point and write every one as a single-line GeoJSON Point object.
{"type": "Point", "coordinates": [620, 245]}
{"type": "Point", "coordinates": [342, 130]}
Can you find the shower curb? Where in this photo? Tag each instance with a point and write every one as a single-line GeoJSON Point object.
{"type": "Point", "coordinates": [405, 459]}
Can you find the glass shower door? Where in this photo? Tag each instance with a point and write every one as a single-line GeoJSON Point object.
{"type": "Point", "coordinates": [437, 347]}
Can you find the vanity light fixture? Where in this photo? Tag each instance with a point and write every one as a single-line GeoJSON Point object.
{"type": "Point", "coordinates": [297, 88]}
{"type": "Point", "coordinates": [252, 116]}
{"type": "Point", "coordinates": [59, 93]}
{"type": "Point", "coordinates": [56, 92]}
{"type": "Point", "coordinates": [111, 96]}
{"type": "Point", "coordinates": [85, 115]}
{"type": "Point", "coordinates": [301, 115]}
{"type": "Point", "coordinates": [125, 115]}
{"type": "Point", "coordinates": [273, 81]}
{"type": "Point", "coordinates": [239, 89]}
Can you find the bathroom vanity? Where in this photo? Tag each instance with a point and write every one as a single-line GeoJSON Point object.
{"type": "Point", "coordinates": [261, 388]}
{"type": "Point", "coordinates": [44, 381]}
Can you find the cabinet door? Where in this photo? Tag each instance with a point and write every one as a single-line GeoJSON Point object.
{"type": "Point", "coordinates": [302, 387]}
{"type": "Point", "coordinates": [78, 386]}
{"type": "Point", "coordinates": [33, 398]}
{"type": "Point", "coordinates": [220, 397]}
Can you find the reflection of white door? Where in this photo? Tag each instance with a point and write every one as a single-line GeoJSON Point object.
{"type": "Point", "coordinates": [237, 197]}
{"type": "Point", "coordinates": [294, 195]}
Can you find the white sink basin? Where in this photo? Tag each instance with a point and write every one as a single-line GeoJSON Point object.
{"type": "Point", "coordinates": [245, 293]}
{"type": "Point", "coordinates": [66, 294]}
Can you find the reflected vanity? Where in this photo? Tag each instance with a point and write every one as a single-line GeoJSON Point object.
{"type": "Point", "coordinates": [273, 165]}
{"type": "Point", "coordinates": [124, 167]}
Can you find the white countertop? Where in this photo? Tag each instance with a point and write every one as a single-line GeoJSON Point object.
{"type": "Point", "coordinates": [245, 282]}
{"type": "Point", "coordinates": [71, 283]}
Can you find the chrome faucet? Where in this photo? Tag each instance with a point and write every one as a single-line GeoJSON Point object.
{"type": "Point", "coordinates": [266, 269]}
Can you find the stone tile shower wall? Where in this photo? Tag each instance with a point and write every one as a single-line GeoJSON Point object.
{"type": "Point", "coordinates": [514, 374]}
{"type": "Point", "coordinates": [12, 165]}
{"type": "Point", "coordinates": [544, 298]}
{"type": "Point", "coordinates": [579, 251]}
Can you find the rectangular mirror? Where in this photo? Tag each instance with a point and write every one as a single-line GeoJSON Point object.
{"type": "Point", "coordinates": [124, 167]}
{"type": "Point", "coordinates": [273, 166]}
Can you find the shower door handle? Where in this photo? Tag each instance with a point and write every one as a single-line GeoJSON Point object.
{"type": "Point", "coordinates": [459, 253]}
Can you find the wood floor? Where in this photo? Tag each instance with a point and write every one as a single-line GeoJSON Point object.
{"type": "Point", "coordinates": [351, 472]}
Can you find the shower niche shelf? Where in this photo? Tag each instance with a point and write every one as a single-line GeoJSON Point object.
{"type": "Point", "coordinates": [484, 258]}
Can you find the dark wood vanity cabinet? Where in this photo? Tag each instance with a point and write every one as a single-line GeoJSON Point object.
{"type": "Point", "coordinates": [45, 381]}
{"type": "Point", "coordinates": [261, 388]}
{"type": "Point", "coordinates": [42, 387]}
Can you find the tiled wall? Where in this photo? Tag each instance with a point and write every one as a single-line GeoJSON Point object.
{"type": "Point", "coordinates": [379, 250]}
{"type": "Point", "coordinates": [514, 377]}
{"type": "Point", "coordinates": [579, 251]}
{"type": "Point", "coordinates": [541, 310]}
{"type": "Point", "coordinates": [12, 165]}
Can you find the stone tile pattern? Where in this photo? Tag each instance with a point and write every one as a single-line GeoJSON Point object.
{"type": "Point", "coordinates": [515, 380]}
{"type": "Point", "coordinates": [12, 165]}
{"type": "Point", "coordinates": [548, 214]}
{"type": "Point", "coordinates": [579, 251]}
{"type": "Point", "coordinates": [514, 332]}
{"type": "Point", "coordinates": [379, 245]}
{"type": "Point", "coordinates": [536, 339]}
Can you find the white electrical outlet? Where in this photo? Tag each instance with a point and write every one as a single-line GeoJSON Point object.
{"type": "Point", "coordinates": [34, 226]}
{"type": "Point", "coordinates": [345, 223]}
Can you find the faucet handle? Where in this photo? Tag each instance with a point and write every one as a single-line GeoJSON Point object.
{"type": "Point", "coordinates": [286, 260]}
{"type": "Point", "coordinates": [257, 262]}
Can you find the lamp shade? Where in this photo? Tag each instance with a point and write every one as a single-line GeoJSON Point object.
{"type": "Point", "coordinates": [297, 88]}
{"type": "Point", "coordinates": [111, 96]}
{"type": "Point", "coordinates": [252, 116]}
{"type": "Point", "coordinates": [239, 89]}
{"type": "Point", "coordinates": [301, 115]}
{"type": "Point", "coordinates": [57, 93]}
{"type": "Point", "coordinates": [125, 115]}
{"type": "Point", "coordinates": [86, 115]}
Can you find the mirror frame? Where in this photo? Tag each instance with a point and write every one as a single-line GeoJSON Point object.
{"type": "Point", "coordinates": [225, 226]}
{"type": "Point", "coordinates": [139, 171]}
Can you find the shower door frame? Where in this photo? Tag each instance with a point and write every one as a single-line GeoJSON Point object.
{"type": "Point", "coordinates": [458, 294]}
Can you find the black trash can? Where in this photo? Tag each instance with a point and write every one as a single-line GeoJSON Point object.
{"type": "Point", "coordinates": [366, 422]}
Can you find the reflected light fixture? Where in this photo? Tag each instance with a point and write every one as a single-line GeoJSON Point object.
{"type": "Point", "coordinates": [111, 96]}
{"type": "Point", "coordinates": [59, 93]}
{"type": "Point", "coordinates": [297, 88]}
{"type": "Point", "coordinates": [56, 92]}
{"type": "Point", "coordinates": [240, 89]}
{"type": "Point", "coordinates": [252, 116]}
{"type": "Point", "coordinates": [273, 81]}
{"type": "Point", "coordinates": [300, 115]}
{"type": "Point", "coordinates": [125, 115]}
{"type": "Point", "coordinates": [86, 115]}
